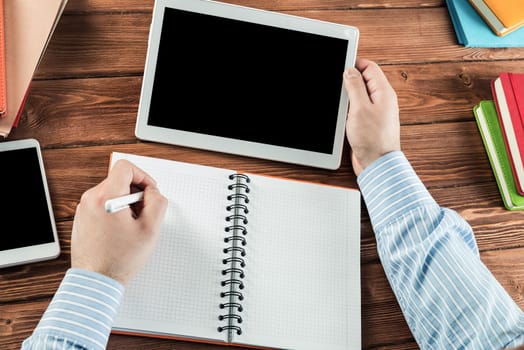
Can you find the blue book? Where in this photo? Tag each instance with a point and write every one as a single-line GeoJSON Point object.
{"type": "Point", "coordinates": [473, 31]}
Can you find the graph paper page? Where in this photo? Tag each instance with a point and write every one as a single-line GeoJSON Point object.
{"type": "Point", "coordinates": [177, 292]}
{"type": "Point", "coordinates": [302, 274]}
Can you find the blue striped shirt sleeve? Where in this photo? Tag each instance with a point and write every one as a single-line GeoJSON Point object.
{"type": "Point", "coordinates": [81, 314]}
{"type": "Point", "coordinates": [448, 296]}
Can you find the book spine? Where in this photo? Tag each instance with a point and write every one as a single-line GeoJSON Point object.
{"type": "Point", "coordinates": [234, 255]}
{"type": "Point", "coordinates": [3, 76]}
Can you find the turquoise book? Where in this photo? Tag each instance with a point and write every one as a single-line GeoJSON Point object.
{"type": "Point", "coordinates": [491, 133]}
{"type": "Point", "coordinates": [473, 31]}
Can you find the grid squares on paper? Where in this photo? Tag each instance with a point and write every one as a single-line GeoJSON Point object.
{"type": "Point", "coordinates": [187, 261]}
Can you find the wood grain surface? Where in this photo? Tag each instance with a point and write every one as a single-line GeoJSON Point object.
{"type": "Point", "coordinates": [83, 102]}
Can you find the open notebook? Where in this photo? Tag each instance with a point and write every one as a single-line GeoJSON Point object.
{"type": "Point", "coordinates": [245, 259]}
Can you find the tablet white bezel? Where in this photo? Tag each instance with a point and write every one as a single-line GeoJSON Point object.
{"type": "Point", "coordinates": [34, 253]}
{"type": "Point", "coordinates": [222, 144]}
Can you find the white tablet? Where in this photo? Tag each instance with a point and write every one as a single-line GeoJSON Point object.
{"type": "Point", "coordinates": [252, 82]}
{"type": "Point", "coordinates": [26, 220]}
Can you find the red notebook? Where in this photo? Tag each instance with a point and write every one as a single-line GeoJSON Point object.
{"type": "Point", "coordinates": [508, 93]}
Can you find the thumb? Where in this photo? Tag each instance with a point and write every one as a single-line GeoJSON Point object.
{"type": "Point", "coordinates": [355, 86]}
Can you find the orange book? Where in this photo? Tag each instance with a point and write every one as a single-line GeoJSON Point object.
{"type": "Point", "coordinates": [28, 28]}
{"type": "Point", "coordinates": [3, 91]}
{"type": "Point", "coordinates": [509, 12]}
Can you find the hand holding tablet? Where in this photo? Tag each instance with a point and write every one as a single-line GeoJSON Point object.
{"type": "Point", "coordinates": [245, 81]}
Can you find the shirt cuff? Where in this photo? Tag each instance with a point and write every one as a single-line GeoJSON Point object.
{"type": "Point", "coordinates": [390, 187]}
{"type": "Point", "coordinates": [83, 309]}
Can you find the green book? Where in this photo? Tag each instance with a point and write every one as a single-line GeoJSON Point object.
{"type": "Point", "coordinates": [488, 124]}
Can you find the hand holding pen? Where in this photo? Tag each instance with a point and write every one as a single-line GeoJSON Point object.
{"type": "Point", "coordinates": [118, 241]}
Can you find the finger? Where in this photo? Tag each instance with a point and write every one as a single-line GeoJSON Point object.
{"type": "Point", "coordinates": [376, 81]}
{"type": "Point", "coordinates": [355, 87]}
{"type": "Point", "coordinates": [124, 175]}
{"type": "Point", "coordinates": [361, 63]}
{"type": "Point", "coordinates": [154, 208]}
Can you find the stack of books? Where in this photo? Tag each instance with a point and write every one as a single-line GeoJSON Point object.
{"type": "Point", "coordinates": [501, 125]}
{"type": "Point", "coordinates": [28, 26]}
{"type": "Point", "coordinates": [488, 23]}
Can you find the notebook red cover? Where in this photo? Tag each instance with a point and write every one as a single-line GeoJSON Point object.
{"type": "Point", "coordinates": [508, 93]}
{"type": "Point", "coordinates": [517, 81]}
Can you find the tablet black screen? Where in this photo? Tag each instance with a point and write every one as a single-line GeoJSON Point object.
{"type": "Point", "coordinates": [247, 81]}
{"type": "Point", "coordinates": [25, 215]}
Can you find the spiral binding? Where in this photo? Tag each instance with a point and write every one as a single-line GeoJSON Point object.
{"type": "Point", "coordinates": [235, 252]}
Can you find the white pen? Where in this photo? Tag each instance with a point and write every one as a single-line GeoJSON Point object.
{"type": "Point", "coordinates": [119, 203]}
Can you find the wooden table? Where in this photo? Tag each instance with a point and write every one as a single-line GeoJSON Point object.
{"type": "Point", "coordinates": [83, 102]}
